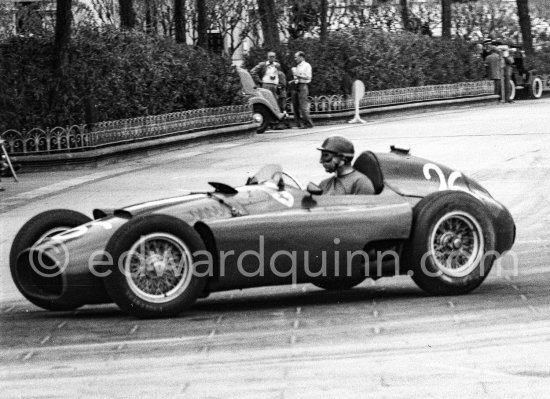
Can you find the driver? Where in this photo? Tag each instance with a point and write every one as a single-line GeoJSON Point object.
{"type": "Point", "coordinates": [336, 155]}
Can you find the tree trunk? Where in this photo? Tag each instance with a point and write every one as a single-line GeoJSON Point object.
{"type": "Point", "coordinates": [324, 22]}
{"type": "Point", "coordinates": [179, 21]}
{"type": "Point", "coordinates": [62, 34]}
{"type": "Point", "coordinates": [202, 24]}
{"type": "Point", "coordinates": [404, 14]}
{"type": "Point", "coordinates": [525, 25]}
{"type": "Point", "coordinates": [127, 14]}
{"type": "Point", "coordinates": [446, 18]}
{"type": "Point", "coordinates": [268, 18]}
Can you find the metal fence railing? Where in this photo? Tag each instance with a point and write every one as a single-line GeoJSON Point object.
{"type": "Point", "coordinates": [81, 137]}
{"type": "Point", "coordinates": [324, 104]}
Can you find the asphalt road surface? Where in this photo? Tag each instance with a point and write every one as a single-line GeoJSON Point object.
{"type": "Point", "coordinates": [383, 339]}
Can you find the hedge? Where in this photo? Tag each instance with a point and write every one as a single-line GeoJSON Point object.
{"type": "Point", "coordinates": [380, 59]}
{"type": "Point", "coordinates": [110, 75]}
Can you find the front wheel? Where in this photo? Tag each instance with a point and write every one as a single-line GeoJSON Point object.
{"type": "Point", "coordinates": [37, 230]}
{"type": "Point", "coordinates": [261, 116]}
{"type": "Point", "coordinates": [452, 247]}
{"type": "Point", "coordinates": [535, 88]}
{"type": "Point", "coordinates": [154, 273]}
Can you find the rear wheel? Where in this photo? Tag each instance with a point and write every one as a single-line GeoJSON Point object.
{"type": "Point", "coordinates": [154, 273]}
{"type": "Point", "coordinates": [261, 116]}
{"type": "Point", "coordinates": [535, 88]}
{"type": "Point", "coordinates": [37, 230]}
{"type": "Point", "coordinates": [451, 250]}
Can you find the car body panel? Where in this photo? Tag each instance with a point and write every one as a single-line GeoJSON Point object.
{"type": "Point", "coordinates": [295, 238]}
{"type": "Point", "coordinates": [418, 177]}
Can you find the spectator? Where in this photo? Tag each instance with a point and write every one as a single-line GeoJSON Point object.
{"type": "Point", "coordinates": [301, 77]}
{"type": "Point", "coordinates": [494, 72]}
{"type": "Point", "coordinates": [487, 43]}
{"type": "Point", "coordinates": [266, 73]}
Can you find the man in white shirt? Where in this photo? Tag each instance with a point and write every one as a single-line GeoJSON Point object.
{"type": "Point", "coordinates": [266, 73]}
{"type": "Point", "coordinates": [301, 77]}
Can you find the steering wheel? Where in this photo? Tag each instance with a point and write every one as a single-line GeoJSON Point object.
{"type": "Point", "coordinates": [293, 180]}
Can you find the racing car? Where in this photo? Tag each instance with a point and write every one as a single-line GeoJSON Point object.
{"type": "Point", "coordinates": [155, 259]}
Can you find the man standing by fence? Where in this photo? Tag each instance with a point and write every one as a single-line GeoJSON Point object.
{"type": "Point", "coordinates": [266, 73]}
{"type": "Point", "coordinates": [302, 78]}
{"type": "Point", "coordinates": [494, 70]}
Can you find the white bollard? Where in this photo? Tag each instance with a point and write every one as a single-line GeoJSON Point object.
{"type": "Point", "coordinates": [357, 92]}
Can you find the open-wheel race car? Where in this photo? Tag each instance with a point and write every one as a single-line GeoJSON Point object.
{"type": "Point", "coordinates": [156, 258]}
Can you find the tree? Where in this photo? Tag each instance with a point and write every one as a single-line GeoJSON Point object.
{"type": "Point", "coordinates": [525, 25]}
{"type": "Point", "coordinates": [446, 18]}
{"type": "Point", "coordinates": [62, 33]}
{"type": "Point", "coordinates": [404, 14]}
{"type": "Point", "coordinates": [127, 14]}
{"type": "Point", "coordinates": [179, 20]}
{"type": "Point", "coordinates": [268, 18]}
{"type": "Point", "coordinates": [324, 22]}
{"type": "Point", "coordinates": [151, 17]}
{"type": "Point", "coordinates": [227, 18]}
{"type": "Point", "coordinates": [202, 24]}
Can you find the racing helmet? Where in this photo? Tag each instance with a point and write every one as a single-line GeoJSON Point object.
{"type": "Point", "coordinates": [338, 145]}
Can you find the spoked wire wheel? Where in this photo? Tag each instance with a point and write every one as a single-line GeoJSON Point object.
{"type": "Point", "coordinates": [452, 245]}
{"type": "Point", "coordinates": [158, 267]}
{"type": "Point", "coordinates": [456, 243]}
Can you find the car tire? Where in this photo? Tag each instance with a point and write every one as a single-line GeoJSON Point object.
{"type": "Point", "coordinates": [451, 249]}
{"type": "Point", "coordinates": [36, 230]}
{"type": "Point", "coordinates": [262, 116]}
{"type": "Point", "coordinates": [535, 88]}
{"type": "Point", "coordinates": [340, 284]}
{"type": "Point", "coordinates": [164, 281]}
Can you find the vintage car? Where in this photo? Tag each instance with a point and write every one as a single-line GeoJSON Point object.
{"type": "Point", "coordinates": [266, 111]}
{"type": "Point", "coordinates": [155, 259]}
{"type": "Point", "coordinates": [525, 82]}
